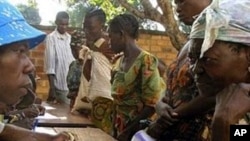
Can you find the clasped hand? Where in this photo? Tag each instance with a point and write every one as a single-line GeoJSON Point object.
{"type": "Point", "coordinates": [83, 52]}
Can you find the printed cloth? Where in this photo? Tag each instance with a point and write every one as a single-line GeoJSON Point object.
{"type": "Point", "coordinates": [78, 38]}
{"type": "Point", "coordinates": [181, 89]}
{"type": "Point", "coordinates": [131, 90]}
{"type": "Point", "coordinates": [74, 75]}
{"type": "Point", "coordinates": [101, 113]}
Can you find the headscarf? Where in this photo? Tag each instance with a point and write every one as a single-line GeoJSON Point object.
{"type": "Point", "coordinates": [226, 20]}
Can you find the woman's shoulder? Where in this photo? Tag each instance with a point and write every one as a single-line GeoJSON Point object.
{"type": "Point", "coordinates": [146, 56]}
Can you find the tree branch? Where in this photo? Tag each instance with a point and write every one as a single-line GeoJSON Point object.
{"type": "Point", "coordinates": [166, 19]}
{"type": "Point", "coordinates": [177, 38]}
{"type": "Point", "coordinates": [131, 9]}
{"type": "Point", "coordinates": [151, 12]}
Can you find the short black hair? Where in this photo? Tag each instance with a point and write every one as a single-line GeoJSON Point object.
{"type": "Point", "coordinates": [98, 13]}
{"type": "Point", "coordinates": [62, 15]}
{"type": "Point", "coordinates": [126, 23]}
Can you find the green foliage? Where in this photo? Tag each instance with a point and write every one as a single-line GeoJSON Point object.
{"type": "Point", "coordinates": [110, 7]}
{"type": "Point", "coordinates": [30, 13]}
{"type": "Point", "coordinates": [77, 13]}
{"type": "Point", "coordinates": [78, 8]}
{"type": "Point", "coordinates": [32, 3]}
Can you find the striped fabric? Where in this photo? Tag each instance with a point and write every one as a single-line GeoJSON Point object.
{"type": "Point", "coordinates": [58, 57]}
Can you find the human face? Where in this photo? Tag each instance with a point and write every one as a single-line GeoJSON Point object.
{"type": "Point", "coordinates": [15, 66]}
{"type": "Point", "coordinates": [187, 9]}
{"type": "Point", "coordinates": [92, 28]}
{"type": "Point", "coordinates": [116, 40]}
{"type": "Point", "coordinates": [62, 25]}
{"type": "Point", "coordinates": [220, 65]}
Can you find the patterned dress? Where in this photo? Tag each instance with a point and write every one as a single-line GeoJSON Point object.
{"type": "Point", "coordinates": [134, 89]}
{"type": "Point", "coordinates": [180, 90]}
{"type": "Point", "coordinates": [74, 75]}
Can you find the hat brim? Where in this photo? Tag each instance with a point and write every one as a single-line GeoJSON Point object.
{"type": "Point", "coordinates": [18, 31]}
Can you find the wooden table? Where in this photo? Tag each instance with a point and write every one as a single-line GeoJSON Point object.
{"type": "Point", "coordinates": [58, 115]}
{"type": "Point", "coordinates": [83, 134]}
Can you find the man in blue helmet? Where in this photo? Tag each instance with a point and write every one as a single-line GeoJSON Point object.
{"type": "Point", "coordinates": [16, 38]}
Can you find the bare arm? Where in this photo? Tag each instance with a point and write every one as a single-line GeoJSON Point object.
{"type": "Point", "coordinates": [52, 89]}
{"type": "Point", "coordinates": [21, 134]}
{"type": "Point", "coordinates": [133, 126]}
{"type": "Point", "coordinates": [11, 132]}
{"type": "Point", "coordinates": [197, 106]}
{"type": "Point", "coordinates": [51, 78]}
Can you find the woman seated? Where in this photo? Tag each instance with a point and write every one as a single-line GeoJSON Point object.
{"type": "Point", "coordinates": [16, 38]}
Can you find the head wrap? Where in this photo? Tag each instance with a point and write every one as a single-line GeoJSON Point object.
{"type": "Point", "coordinates": [226, 20]}
{"type": "Point", "coordinates": [77, 38]}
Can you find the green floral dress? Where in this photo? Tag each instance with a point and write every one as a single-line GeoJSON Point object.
{"type": "Point", "coordinates": [134, 89]}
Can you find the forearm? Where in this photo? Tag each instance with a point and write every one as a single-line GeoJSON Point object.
{"type": "Point", "coordinates": [220, 129]}
{"type": "Point", "coordinates": [161, 106]}
{"type": "Point", "coordinates": [11, 132]}
{"type": "Point", "coordinates": [51, 78]}
{"type": "Point", "coordinates": [197, 106]}
{"type": "Point", "coordinates": [145, 114]}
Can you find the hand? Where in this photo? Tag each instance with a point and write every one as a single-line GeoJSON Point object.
{"type": "Point", "coordinates": [41, 109]}
{"type": "Point", "coordinates": [72, 94]}
{"type": "Point", "coordinates": [165, 112]}
{"type": "Point", "coordinates": [30, 112]}
{"type": "Point", "coordinates": [38, 100]}
{"type": "Point", "coordinates": [233, 102]}
{"type": "Point", "coordinates": [52, 93]}
{"type": "Point", "coordinates": [65, 136]}
{"type": "Point", "coordinates": [83, 52]}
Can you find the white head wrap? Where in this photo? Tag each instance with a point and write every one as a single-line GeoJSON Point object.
{"type": "Point", "coordinates": [226, 20]}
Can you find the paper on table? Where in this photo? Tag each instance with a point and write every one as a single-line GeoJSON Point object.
{"type": "Point", "coordinates": [48, 107]}
{"type": "Point", "coordinates": [45, 130]}
{"type": "Point", "coordinates": [50, 116]}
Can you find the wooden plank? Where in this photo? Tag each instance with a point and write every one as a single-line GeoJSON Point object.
{"type": "Point", "coordinates": [88, 134]}
{"type": "Point", "coordinates": [59, 115]}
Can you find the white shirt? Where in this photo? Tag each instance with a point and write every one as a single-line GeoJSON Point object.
{"type": "Point", "coordinates": [58, 57]}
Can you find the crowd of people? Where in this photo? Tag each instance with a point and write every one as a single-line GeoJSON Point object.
{"type": "Point", "coordinates": [126, 91]}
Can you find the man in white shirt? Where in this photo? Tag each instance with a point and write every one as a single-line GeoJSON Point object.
{"type": "Point", "coordinates": [58, 57]}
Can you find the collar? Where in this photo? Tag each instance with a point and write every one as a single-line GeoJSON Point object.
{"type": "Point", "coordinates": [60, 36]}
